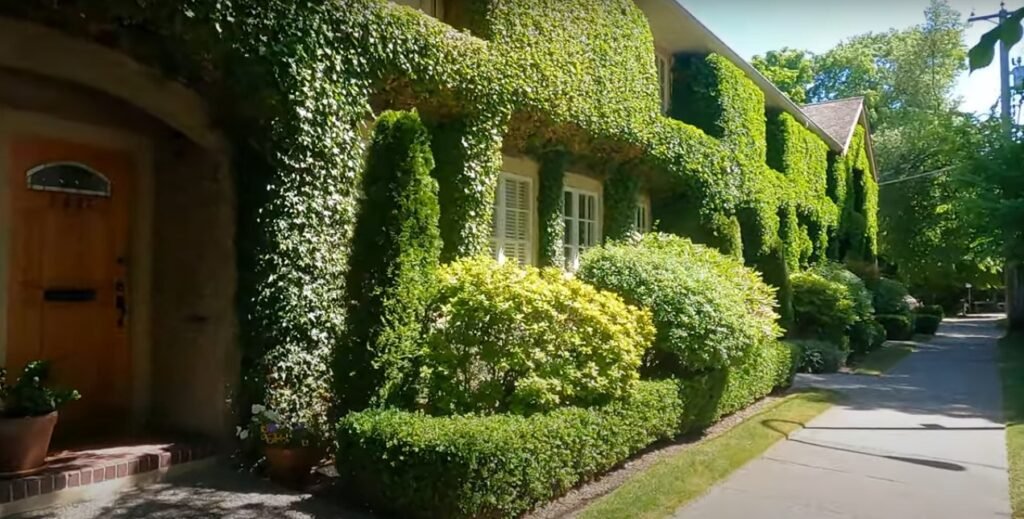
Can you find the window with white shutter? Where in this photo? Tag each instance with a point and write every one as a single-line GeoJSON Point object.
{"type": "Point", "coordinates": [513, 219]}
{"type": "Point", "coordinates": [581, 224]}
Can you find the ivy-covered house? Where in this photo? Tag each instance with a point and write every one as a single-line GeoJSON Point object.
{"type": "Point", "coordinates": [181, 177]}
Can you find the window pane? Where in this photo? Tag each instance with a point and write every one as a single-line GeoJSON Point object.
{"type": "Point", "coordinates": [567, 201]}
{"type": "Point", "coordinates": [68, 178]}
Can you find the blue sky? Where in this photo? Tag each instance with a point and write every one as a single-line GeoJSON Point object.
{"type": "Point", "coordinates": [754, 26]}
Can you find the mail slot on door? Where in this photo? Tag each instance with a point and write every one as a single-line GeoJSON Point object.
{"type": "Point", "coordinates": [69, 295]}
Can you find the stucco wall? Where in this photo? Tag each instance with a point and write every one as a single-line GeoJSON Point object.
{"type": "Point", "coordinates": [195, 359]}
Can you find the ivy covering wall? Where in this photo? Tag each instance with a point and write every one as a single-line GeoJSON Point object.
{"type": "Point", "coordinates": [294, 82]}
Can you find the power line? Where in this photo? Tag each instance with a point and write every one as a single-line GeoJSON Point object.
{"type": "Point", "coordinates": [919, 175]}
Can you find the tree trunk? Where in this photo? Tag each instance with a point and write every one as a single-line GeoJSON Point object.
{"type": "Point", "coordinates": [1015, 296]}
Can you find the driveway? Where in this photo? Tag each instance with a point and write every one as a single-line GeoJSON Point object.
{"type": "Point", "coordinates": [926, 440]}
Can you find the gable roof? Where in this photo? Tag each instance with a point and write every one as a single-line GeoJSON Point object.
{"type": "Point", "coordinates": [838, 118]}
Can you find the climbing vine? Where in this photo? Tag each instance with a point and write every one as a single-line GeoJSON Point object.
{"type": "Point", "coordinates": [293, 83]}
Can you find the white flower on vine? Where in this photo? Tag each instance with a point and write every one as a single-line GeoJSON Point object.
{"type": "Point", "coordinates": [257, 409]}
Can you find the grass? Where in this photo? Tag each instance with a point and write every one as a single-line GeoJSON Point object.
{"type": "Point", "coordinates": [671, 482]}
{"type": "Point", "coordinates": [1011, 367]}
{"type": "Point", "coordinates": [882, 359]}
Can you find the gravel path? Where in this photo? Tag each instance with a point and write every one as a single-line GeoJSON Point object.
{"type": "Point", "coordinates": [926, 440]}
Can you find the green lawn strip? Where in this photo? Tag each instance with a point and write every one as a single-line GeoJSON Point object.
{"type": "Point", "coordinates": [671, 482]}
{"type": "Point", "coordinates": [882, 359]}
{"type": "Point", "coordinates": [1011, 364]}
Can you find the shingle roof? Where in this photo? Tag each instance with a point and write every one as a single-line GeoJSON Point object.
{"type": "Point", "coordinates": [838, 118]}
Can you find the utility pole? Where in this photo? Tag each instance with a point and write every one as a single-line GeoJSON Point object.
{"type": "Point", "coordinates": [1004, 66]}
{"type": "Point", "coordinates": [1013, 271]}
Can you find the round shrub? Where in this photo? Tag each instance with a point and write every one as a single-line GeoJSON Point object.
{"type": "Point", "coordinates": [822, 309]}
{"type": "Point", "coordinates": [926, 324]}
{"type": "Point", "coordinates": [709, 310]}
{"type": "Point", "coordinates": [866, 336]}
{"type": "Point", "coordinates": [891, 298]}
{"type": "Point", "coordinates": [897, 327]}
{"type": "Point", "coordinates": [503, 338]}
{"type": "Point", "coordinates": [821, 356]}
{"type": "Point", "coordinates": [857, 290]}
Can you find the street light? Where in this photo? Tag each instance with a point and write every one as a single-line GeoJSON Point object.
{"type": "Point", "coordinates": [968, 286]}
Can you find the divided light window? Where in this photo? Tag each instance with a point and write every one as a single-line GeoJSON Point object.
{"type": "Point", "coordinates": [664, 63]}
{"type": "Point", "coordinates": [581, 229]}
{"type": "Point", "coordinates": [641, 218]}
{"type": "Point", "coordinates": [513, 210]}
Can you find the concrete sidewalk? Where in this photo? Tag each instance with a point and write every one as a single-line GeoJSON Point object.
{"type": "Point", "coordinates": [926, 440]}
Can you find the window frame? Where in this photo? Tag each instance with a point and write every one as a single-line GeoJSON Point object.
{"type": "Point", "coordinates": [642, 208]}
{"type": "Point", "coordinates": [663, 64]}
{"type": "Point", "coordinates": [498, 239]}
{"type": "Point", "coordinates": [571, 247]}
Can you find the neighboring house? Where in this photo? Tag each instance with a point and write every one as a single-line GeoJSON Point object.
{"type": "Point", "coordinates": [119, 240]}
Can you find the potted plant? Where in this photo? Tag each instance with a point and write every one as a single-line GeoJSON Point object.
{"type": "Point", "coordinates": [28, 414]}
{"type": "Point", "coordinates": [291, 449]}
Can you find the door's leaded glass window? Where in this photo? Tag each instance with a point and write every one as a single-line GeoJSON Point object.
{"type": "Point", "coordinates": [68, 177]}
{"type": "Point", "coordinates": [581, 230]}
{"type": "Point", "coordinates": [513, 210]}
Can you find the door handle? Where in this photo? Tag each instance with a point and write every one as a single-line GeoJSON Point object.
{"type": "Point", "coordinates": [120, 303]}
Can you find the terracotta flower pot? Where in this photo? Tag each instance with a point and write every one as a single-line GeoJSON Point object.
{"type": "Point", "coordinates": [290, 466]}
{"type": "Point", "coordinates": [24, 443]}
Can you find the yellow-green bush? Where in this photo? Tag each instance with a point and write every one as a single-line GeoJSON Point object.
{"type": "Point", "coordinates": [503, 338]}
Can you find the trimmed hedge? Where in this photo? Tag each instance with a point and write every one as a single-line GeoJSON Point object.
{"type": "Point", "coordinates": [395, 251]}
{"type": "Point", "coordinates": [417, 465]}
{"type": "Point", "coordinates": [897, 327]}
{"type": "Point", "coordinates": [503, 338]}
{"type": "Point", "coordinates": [926, 323]}
{"type": "Point", "coordinates": [821, 356]}
{"type": "Point", "coordinates": [709, 310]}
{"type": "Point", "coordinates": [935, 310]}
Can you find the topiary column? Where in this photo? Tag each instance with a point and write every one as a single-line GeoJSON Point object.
{"type": "Point", "coordinates": [395, 250]}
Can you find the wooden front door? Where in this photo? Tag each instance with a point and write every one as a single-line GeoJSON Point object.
{"type": "Point", "coordinates": [67, 286]}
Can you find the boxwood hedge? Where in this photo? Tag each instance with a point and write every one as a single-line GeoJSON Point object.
{"type": "Point", "coordinates": [416, 465]}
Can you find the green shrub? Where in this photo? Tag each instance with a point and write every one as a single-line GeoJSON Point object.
{"type": "Point", "coordinates": [866, 336]}
{"type": "Point", "coordinates": [821, 356]}
{"type": "Point", "coordinates": [926, 323]}
{"type": "Point", "coordinates": [890, 298]}
{"type": "Point", "coordinates": [416, 465]}
{"type": "Point", "coordinates": [709, 310]}
{"type": "Point", "coordinates": [857, 290]}
{"type": "Point", "coordinates": [897, 327]}
{"type": "Point", "coordinates": [503, 338]}
{"type": "Point", "coordinates": [768, 368]}
{"type": "Point", "coordinates": [935, 310]}
{"type": "Point", "coordinates": [822, 309]}
{"type": "Point", "coordinates": [395, 251]}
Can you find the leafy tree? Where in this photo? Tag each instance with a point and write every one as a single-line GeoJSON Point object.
{"type": "Point", "coordinates": [898, 71]}
{"type": "Point", "coordinates": [791, 70]}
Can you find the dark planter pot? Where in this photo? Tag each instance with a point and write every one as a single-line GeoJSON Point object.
{"type": "Point", "coordinates": [24, 443]}
{"type": "Point", "coordinates": [290, 466]}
